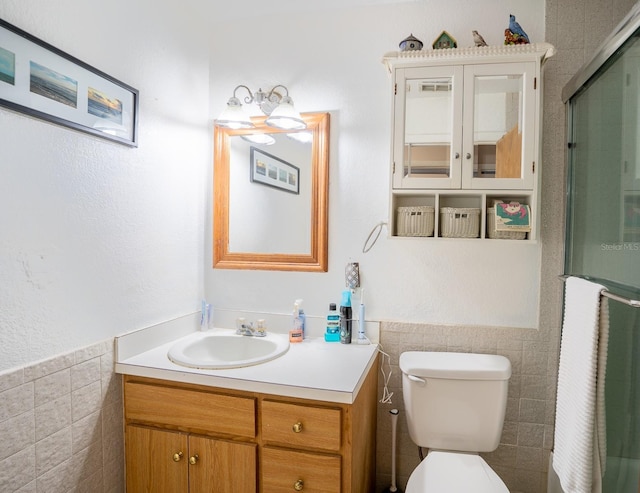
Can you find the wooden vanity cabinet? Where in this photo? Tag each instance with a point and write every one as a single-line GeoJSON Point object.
{"type": "Point", "coordinates": [183, 437]}
{"type": "Point", "coordinates": [173, 462]}
{"type": "Point", "coordinates": [188, 440]}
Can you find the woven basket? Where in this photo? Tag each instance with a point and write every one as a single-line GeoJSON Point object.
{"type": "Point", "coordinates": [501, 235]}
{"type": "Point", "coordinates": [415, 221]}
{"type": "Point", "coordinates": [460, 222]}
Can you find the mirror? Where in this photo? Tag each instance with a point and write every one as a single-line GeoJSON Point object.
{"type": "Point", "coordinates": [270, 201]}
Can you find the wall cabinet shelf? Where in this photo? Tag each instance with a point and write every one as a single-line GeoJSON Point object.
{"type": "Point", "coordinates": [466, 131]}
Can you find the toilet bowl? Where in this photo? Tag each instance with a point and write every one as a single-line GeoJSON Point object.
{"type": "Point", "coordinates": [455, 406]}
{"type": "Point", "coordinates": [454, 472]}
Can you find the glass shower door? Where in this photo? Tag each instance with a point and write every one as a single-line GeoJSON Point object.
{"type": "Point", "coordinates": [603, 238]}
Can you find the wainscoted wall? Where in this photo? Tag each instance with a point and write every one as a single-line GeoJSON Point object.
{"type": "Point", "coordinates": [576, 28]}
{"type": "Point", "coordinates": [61, 424]}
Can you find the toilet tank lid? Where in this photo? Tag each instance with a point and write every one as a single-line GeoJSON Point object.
{"type": "Point", "coordinates": [458, 366]}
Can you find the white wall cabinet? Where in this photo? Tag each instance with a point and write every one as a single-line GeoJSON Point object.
{"type": "Point", "coordinates": [466, 129]}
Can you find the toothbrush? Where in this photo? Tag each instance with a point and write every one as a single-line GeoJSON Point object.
{"type": "Point", "coordinates": [361, 337]}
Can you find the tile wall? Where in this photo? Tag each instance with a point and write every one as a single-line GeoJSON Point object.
{"type": "Point", "coordinates": [61, 424]}
{"type": "Point", "coordinates": [521, 459]}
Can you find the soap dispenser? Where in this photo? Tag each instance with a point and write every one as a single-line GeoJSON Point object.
{"type": "Point", "coordinates": [295, 334]}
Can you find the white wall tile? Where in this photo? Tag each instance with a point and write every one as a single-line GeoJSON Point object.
{"type": "Point", "coordinates": [85, 373]}
{"type": "Point", "coordinates": [60, 479]}
{"type": "Point", "coordinates": [11, 378]}
{"type": "Point", "coordinates": [52, 451]}
{"type": "Point", "coordinates": [17, 434]}
{"type": "Point", "coordinates": [28, 488]}
{"type": "Point", "coordinates": [93, 351]}
{"type": "Point", "coordinates": [18, 471]}
{"type": "Point", "coordinates": [52, 386]}
{"type": "Point", "coordinates": [53, 416]}
{"type": "Point", "coordinates": [16, 401]}
{"type": "Point", "coordinates": [86, 400]}
{"type": "Point", "coordinates": [86, 431]}
{"type": "Point", "coordinates": [46, 367]}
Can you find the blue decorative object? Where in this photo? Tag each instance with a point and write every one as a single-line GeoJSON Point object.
{"type": "Point", "coordinates": [515, 34]}
{"type": "Point", "coordinates": [410, 43]}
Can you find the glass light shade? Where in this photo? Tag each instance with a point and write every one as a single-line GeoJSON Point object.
{"type": "Point", "coordinates": [263, 139]}
{"type": "Point", "coordinates": [234, 116]}
{"type": "Point", "coordinates": [304, 137]}
{"type": "Point", "coordinates": [286, 117]}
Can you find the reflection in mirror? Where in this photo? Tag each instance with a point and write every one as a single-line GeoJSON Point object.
{"type": "Point", "coordinates": [427, 142]}
{"type": "Point", "coordinates": [286, 189]}
{"type": "Point", "coordinates": [270, 196]}
{"type": "Point", "coordinates": [497, 126]}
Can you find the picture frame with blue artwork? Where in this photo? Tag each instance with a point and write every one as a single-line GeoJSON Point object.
{"type": "Point", "coordinates": [41, 81]}
{"type": "Point", "coordinates": [272, 171]}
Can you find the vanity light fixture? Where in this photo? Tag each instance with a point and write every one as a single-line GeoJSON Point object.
{"type": "Point", "coordinates": [279, 107]}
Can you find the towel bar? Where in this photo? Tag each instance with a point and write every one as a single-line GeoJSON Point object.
{"type": "Point", "coordinates": [608, 294]}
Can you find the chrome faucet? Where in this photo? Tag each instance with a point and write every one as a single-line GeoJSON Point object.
{"type": "Point", "coordinates": [246, 329]}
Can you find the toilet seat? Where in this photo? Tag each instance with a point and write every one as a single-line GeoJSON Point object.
{"type": "Point", "coordinates": [454, 472]}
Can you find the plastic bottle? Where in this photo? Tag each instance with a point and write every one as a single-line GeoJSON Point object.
{"type": "Point", "coordinates": [303, 318]}
{"type": "Point", "coordinates": [345, 317]}
{"type": "Point", "coordinates": [332, 333]}
{"type": "Point", "coordinates": [295, 334]}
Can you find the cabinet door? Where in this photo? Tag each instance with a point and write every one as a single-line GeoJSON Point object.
{"type": "Point", "coordinates": [499, 126]}
{"type": "Point", "coordinates": [156, 461]}
{"type": "Point", "coordinates": [427, 127]}
{"type": "Point", "coordinates": [221, 466]}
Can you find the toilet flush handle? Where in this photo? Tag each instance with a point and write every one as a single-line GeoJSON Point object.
{"type": "Point", "coordinates": [418, 380]}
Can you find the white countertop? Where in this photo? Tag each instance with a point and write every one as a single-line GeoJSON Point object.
{"type": "Point", "coordinates": [312, 369]}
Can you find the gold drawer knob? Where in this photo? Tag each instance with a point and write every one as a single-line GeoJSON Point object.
{"type": "Point", "coordinates": [297, 428]}
{"type": "Point", "coordinates": [298, 485]}
{"type": "Point", "coordinates": [177, 457]}
{"type": "Point", "coordinates": [193, 459]}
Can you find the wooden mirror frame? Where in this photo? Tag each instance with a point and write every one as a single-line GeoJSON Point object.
{"type": "Point", "coordinates": [317, 259]}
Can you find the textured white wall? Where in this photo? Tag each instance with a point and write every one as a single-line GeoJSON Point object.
{"type": "Point", "coordinates": [97, 238]}
{"type": "Point", "coordinates": [331, 61]}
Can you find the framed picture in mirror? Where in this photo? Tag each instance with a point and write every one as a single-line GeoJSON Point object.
{"type": "Point", "coordinates": [272, 171]}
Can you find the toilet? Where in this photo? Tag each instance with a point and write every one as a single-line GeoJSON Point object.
{"type": "Point", "coordinates": [455, 405]}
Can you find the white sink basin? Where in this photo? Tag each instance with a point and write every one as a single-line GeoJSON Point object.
{"type": "Point", "coordinates": [221, 348]}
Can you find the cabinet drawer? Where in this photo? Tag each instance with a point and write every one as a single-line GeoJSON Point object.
{"type": "Point", "coordinates": [314, 473]}
{"type": "Point", "coordinates": [301, 426]}
{"type": "Point", "coordinates": [190, 410]}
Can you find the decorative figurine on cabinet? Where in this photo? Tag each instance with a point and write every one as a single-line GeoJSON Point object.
{"type": "Point", "coordinates": [514, 34]}
{"type": "Point", "coordinates": [445, 40]}
{"type": "Point", "coordinates": [478, 39]}
{"type": "Point", "coordinates": [410, 43]}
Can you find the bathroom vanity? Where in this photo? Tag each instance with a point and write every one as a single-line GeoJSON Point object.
{"type": "Point", "coordinates": [285, 425]}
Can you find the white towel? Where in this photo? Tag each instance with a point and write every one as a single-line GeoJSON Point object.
{"type": "Point", "coordinates": [580, 440]}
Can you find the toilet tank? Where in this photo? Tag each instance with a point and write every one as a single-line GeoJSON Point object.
{"type": "Point", "coordinates": [455, 401]}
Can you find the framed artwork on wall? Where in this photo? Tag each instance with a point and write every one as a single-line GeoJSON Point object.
{"type": "Point", "coordinates": [41, 81]}
{"type": "Point", "coordinates": [273, 171]}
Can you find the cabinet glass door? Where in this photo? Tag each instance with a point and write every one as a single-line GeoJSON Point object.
{"type": "Point", "coordinates": [427, 134]}
{"type": "Point", "coordinates": [497, 153]}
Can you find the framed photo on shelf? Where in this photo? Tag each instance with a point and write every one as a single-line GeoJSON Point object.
{"type": "Point", "coordinates": [273, 171]}
{"type": "Point", "coordinates": [41, 81]}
